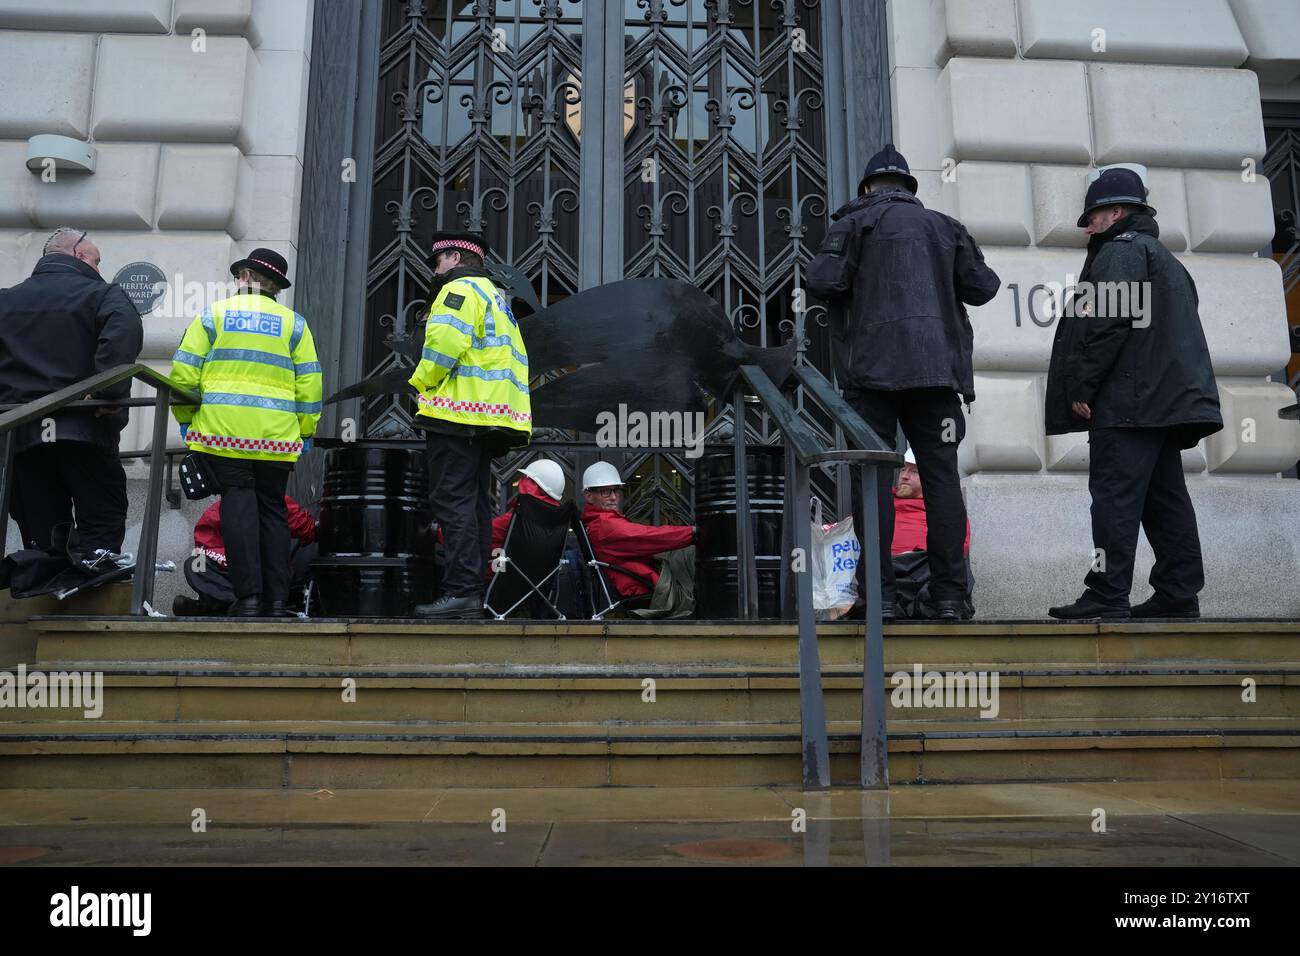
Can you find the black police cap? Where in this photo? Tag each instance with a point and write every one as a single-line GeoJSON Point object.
{"type": "Point", "coordinates": [888, 162]}
{"type": "Point", "coordinates": [1115, 185]}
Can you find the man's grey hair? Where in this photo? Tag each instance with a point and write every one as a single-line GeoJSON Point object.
{"type": "Point", "coordinates": [63, 239]}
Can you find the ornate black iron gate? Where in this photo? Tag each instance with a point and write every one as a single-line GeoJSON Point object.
{"type": "Point", "coordinates": [705, 140]}
{"type": "Point", "coordinates": [1282, 167]}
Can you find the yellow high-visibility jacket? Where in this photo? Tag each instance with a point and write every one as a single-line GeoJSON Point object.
{"type": "Point", "coordinates": [474, 367]}
{"type": "Point", "coordinates": [254, 363]}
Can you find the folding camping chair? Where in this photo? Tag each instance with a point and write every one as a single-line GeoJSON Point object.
{"type": "Point", "coordinates": [528, 572]}
{"type": "Point", "coordinates": [604, 597]}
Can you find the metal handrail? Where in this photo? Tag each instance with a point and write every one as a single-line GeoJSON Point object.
{"type": "Point", "coordinates": [71, 397]}
{"type": "Point", "coordinates": [805, 449]}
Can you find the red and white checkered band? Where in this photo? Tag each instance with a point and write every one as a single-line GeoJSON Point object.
{"type": "Point", "coordinates": [268, 265]}
{"type": "Point", "coordinates": [457, 244]}
{"type": "Point", "coordinates": [477, 408]}
{"type": "Point", "coordinates": [245, 444]}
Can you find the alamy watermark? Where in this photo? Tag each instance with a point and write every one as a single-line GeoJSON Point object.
{"type": "Point", "coordinates": [185, 298]}
{"type": "Point", "coordinates": [77, 909]}
{"type": "Point", "coordinates": [61, 689]}
{"type": "Point", "coordinates": [947, 689]}
{"type": "Point", "coordinates": [637, 429]}
{"type": "Point", "coordinates": [1102, 300]}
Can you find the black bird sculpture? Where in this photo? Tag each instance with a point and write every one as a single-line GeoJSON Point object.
{"type": "Point", "coordinates": [652, 344]}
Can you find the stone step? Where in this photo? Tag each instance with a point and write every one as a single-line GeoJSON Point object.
{"type": "Point", "coordinates": [63, 641]}
{"type": "Point", "coordinates": [621, 693]}
{"type": "Point", "coordinates": [321, 754]}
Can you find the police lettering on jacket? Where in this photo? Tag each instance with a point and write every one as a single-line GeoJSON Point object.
{"type": "Point", "coordinates": [254, 363]}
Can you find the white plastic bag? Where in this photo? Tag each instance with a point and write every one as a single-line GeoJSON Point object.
{"type": "Point", "coordinates": [835, 557]}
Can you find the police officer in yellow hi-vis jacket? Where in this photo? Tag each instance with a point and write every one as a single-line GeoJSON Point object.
{"type": "Point", "coordinates": [254, 363]}
{"type": "Point", "coordinates": [472, 382]}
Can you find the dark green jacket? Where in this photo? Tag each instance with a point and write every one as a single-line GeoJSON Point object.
{"type": "Point", "coordinates": [1144, 366]}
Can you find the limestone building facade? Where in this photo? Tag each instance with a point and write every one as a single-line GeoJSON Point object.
{"type": "Point", "coordinates": [209, 141]}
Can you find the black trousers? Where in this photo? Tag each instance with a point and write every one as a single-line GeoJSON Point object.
{"type": "Point", "coordinates": [254, 524]}
{"type": "Point", "coordinates": [54, 479]}
{"type": "Point", "coordinates": [460, 474]}
{"type": "Point", "coordinates": [1135, 477]}
{"type": "Point", "coordinates": [215, 589]}
{"type": "Point", "coordinates": [933, 422]}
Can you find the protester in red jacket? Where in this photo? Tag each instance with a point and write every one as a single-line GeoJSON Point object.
{"type": "Point", "coordinates": [527, 486]}
{"type": "Point", "coordinates": [543, 480]}
{"type": "Point", "coordinates": [618, 540]}
{"type": "Point", "coordinates": [208, 538]}
{"type": "Point", "coordinates": [210, 577]}
{"type": "Point", "coordinates": [910, 529]}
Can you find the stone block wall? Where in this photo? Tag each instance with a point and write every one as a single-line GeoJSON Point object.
{"type": "Point", "coordinates": [197, 110]}
{"type": "Point", "coordinates": [1002, 108]}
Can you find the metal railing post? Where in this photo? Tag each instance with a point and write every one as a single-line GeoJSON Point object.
{"type": "Point", "coordinates": [746, 602]}
{"type": "Point", "coordinates": [7, 440]}
{"type": "Point", "coordinates": [147, 552]}
{"type": "Point", "coordinates": [791, 512]}
{"type": "Point", "coordinates": [875, 741]}
{"type": "Point", "coordinates": [789, 515]}
{"type": "Point", "coordinates": [812, 708]}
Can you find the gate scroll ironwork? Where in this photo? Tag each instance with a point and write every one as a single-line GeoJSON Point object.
{"type": "Point", "coordinates": [482, 117]}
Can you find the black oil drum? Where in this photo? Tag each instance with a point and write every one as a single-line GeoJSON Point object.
{"type": "Point", "coordinates": [717, 589]}
{"type": "Point", "coordinates": [375, 533]}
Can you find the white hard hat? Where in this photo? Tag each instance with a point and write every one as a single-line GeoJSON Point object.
{"type": "Point", "coordinates": [908, 457]}
{"type": "Point", "coordinates": [548, 475]}
{"type": "Point", "coordinates": [601, 475]}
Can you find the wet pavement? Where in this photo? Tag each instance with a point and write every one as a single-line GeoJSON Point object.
{"type": "Point", "coordinates": [1171, 823]}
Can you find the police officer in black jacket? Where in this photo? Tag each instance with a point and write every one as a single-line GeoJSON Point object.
{"type": "Point", "coordinates": [1130, 366]}
{"type": "Point", "coordinates": [898, 277]}
{"type": "Point", "coordinates": [62, 325]}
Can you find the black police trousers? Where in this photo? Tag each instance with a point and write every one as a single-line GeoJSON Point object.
{"type": "Point", "coordinates": [934, 425]}
{"type": "Point", "coordinates": [1135, 477]}
{"type": "Point", "coordinates": [52, 479]}
{"type": "Point", "coordinates": [254, 524]}
{"type": "Point", "coordinates": [460, 472]}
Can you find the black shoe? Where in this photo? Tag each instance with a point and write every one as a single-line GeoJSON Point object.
{"type": "Point", "coordinates": [246, 607]}
{"type": "Point", "coordinates": [183, 606]}
{"type": "Point", "coordinates": [453, 607]}
{"type": "Point", "coordinates": [888, 613]}
{"type": "Point", "coordinates": [100, 561]}
{"type": "Point", "coordinates": [280, 609]}
{"type": "Point", "coordinates": [1086, 608]}
{"type": "Point", "coordinates": [1155, 606]}
{"type": "Point", "coordinates": [948, 610]}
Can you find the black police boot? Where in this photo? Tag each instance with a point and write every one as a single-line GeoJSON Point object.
{"type": "Point", "coordinates": [1156, 606]}
{"type": "Point", "coordinates": [948, 610]}
{"type": "Point", "coordinates": [246, 607]}
{"type": "Point", "coordinates": [1086, 608]}
{"type": "Point", "coordinates": [453, 607]}
{"type": "Point", "coordinates": [280, 609]}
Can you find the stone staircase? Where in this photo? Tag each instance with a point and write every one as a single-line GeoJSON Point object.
{"type": "Point", "coordinates": [335, 704]}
